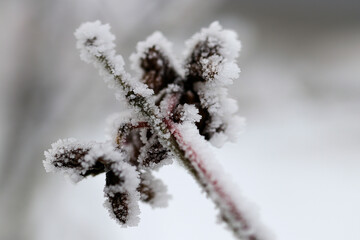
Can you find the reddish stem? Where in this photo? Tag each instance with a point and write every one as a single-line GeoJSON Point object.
{"type": "Point", "coordinates": [209, 181]}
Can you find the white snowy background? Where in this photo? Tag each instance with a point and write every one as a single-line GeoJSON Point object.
{"type": "Point", "coordinates": [298, 161]}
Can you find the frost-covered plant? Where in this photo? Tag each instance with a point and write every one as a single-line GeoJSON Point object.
{"type": "Point", "coordinates": [175, 110]}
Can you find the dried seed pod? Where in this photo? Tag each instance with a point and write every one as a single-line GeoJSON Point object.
{"type": "Point", "coordinates": [203, 50]}
{"type": "Point", "coordinates": [124, 132]}
{"type": "Point", "coordinates": [72, 157]}
{"type": "Point", "coordinates": [133, 146]}
{"type": "Point", "coordinates": [119, 200]}
{"type": "Point", "coordinates": [78, 159]}
{"type": "Point", "coordinates": [210, 68]}
{"type": "Point", "coordinates": [152, 190]}
{"type": "Point", "coordinates": [195, 63]}
{"type": "Point", "coordinates": [152, 154]}
{"type": "Point", "coordinates": [153, 60]}
{"type": "Point", "coordinates": [121, 193]}
{"type": "Point", "coordinates": [157, 72]}
{"type": "Point", "coordinates": [135, 138]}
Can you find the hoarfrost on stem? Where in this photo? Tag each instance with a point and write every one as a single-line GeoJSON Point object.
{"type": "Point", "coordinates": [175, 110]}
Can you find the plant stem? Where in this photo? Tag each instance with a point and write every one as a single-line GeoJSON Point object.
{"type": "Point", "coordinates": [172, 138]}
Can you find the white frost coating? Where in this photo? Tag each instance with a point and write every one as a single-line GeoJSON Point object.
{"type": "Point", "coordinates": [96, 45]}
{"type": "Point", "coordinates": [223, 191]}
{"type": "Point", "coordinates": [161, 44]}
{"type": "Point", "coordinates": [63, 146]}
{"type": "Point", "coordinates": [191, 113]}
{"type": "Point", "coordinates": [68, 151]}
{"type": "Point", "coordinates": [220, 70]}
{"type": "Point", "coordinates": [105, 151]}
{"type": "Point", "coordinates": [116, 120]}
{"type": "Point", "coordinates": [235, 126]}
{"type": "Point", "coordinates": [223, 112]}
{"type": "Point", "coordinates": [94, 39]}
{"type": "Point", "coordinates": [230, 45]}
{"type": "Point", "coordinates": [161, 198]}
{"type": "Point", "coordinates": [129, 186]}
{"type": "Point", "coordinates": [145, 151]}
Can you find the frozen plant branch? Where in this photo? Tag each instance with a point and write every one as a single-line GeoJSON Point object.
{"type": "Point", "coordinates": [175, 110]}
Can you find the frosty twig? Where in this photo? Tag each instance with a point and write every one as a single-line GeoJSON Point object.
{"type": "Point", "coordinates": [175, 111]}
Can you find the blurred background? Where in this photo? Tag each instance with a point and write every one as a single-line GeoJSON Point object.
{"type": "Point", "coordinates": [298, 161]}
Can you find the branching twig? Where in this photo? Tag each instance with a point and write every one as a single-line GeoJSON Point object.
{"type": "Point", "coordinates": [167, 103]}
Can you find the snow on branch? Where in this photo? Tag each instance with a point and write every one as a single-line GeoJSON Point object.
{"type": "Point", "coordinates": [175, 111]}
